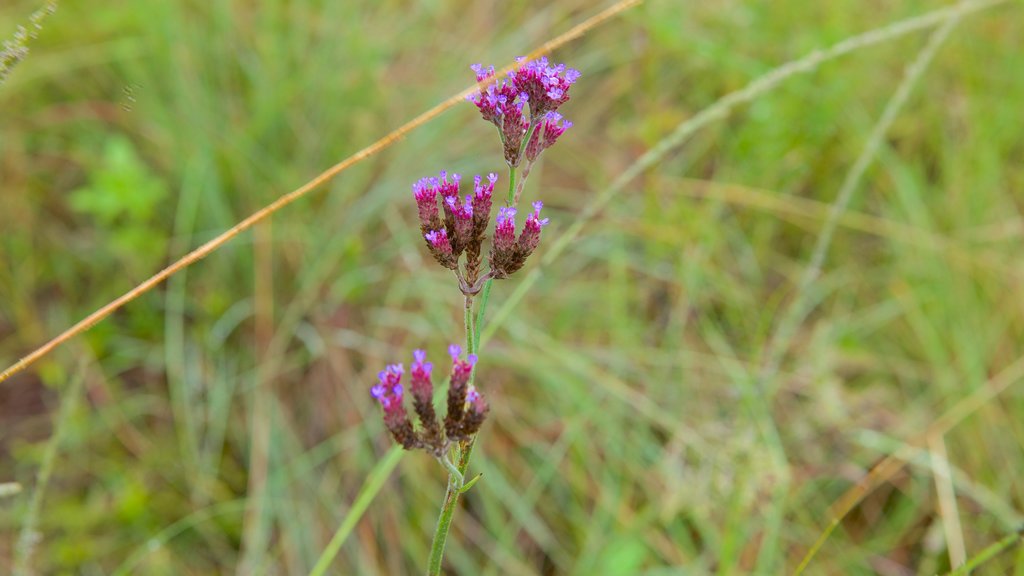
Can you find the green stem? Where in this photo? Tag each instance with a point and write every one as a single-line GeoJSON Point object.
{"type": "Point", "coordinates": [485, 295]}
{"type": "Point", "coordinates": [470, 338]}
{"type": "Point", "coordinates": [511, 185]}
{"type": "Point", "coordinates": [454, 473]}
{"type": "Point", "coordinates": [457, 475]}
{"type": "Point", "coordinates": [522, 182]}
{"type": "Point", "coordinates": [372, 486]}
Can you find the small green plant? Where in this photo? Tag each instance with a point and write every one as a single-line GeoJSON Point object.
{"type": "Point", "coordinates": [123, 196]}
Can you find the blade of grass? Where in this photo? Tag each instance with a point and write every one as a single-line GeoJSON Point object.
{"type": "Point", "coordinates": [28, 537]}
{"type": "Point", "coordinates": [371, 487]}
{"type": "Point", "coordinates": [989, 553]}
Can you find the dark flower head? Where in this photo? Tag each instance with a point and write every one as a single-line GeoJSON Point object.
{"type": "Point", "coordinates": [476, 411]}
{"type": "Point", "coordinates": [461, 369]}
{"type": "Point", "coordinates": [474, 401]}
{"type": "Point", "coordinates": [423, 403]}
{"type": "Point", "coordinates": [420, 372]}
{"type": "Point", "coordinates": [482, 199]}
{"type": "Point", "coordinates": [389, 392]}
{"type": "Point", "coordinates": [438, 240]}
{"type": "Point", "coordinates": [530, 237]}
{"type": "Point", "coordinates": [457, 391]}
{"type": "Point", "coordinates": [425, 193]}
{"type": "Point", "coordinates": [508, 254]}
{"type": "Point", "coordinates": [462, 219]}
{"type": "Point", "coordinates": [493, 101]}
{"type": "Point", "coordinates": [546, 133]}
{"type": "Point", "coordinates": [505, 229]}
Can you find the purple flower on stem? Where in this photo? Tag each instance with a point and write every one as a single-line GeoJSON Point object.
{"type": "Point", "coordinates": [482, 72]}
{"type": "Point", "coordinates": [438, 240]}
{"type": "Point", "coordinates": [534, 84]}
{"type": "Point", "coordinates": [448, 188]}
{"type": "Point", "coordinates": [474, 401]}
{"type": "Point", "coordinates": [530, 237]}
{"type": "Point", "coordinates": [463, 219]}
{"type": "Point", "coordinates": [505, 229]}
{"type": "Point", "coordinates": [476, 411]}
{"type": "Point", "coordinates": [457, 391]}
{"type": "Point", "coordinates": [546, 133]}
{"type": "Point", "coordinates": [423, 402]}
{"type": "Point", "coordinates": [482, 193]}
{"type": "Point", "coordinates": [422, 387]}
{"type": "Point", "coordinates": [389, 392]}
{"type": "Point", "coordinates": [425, 192]}
{"type": "Point", "coordinates": [461, 369]}
{"type": "Point", "coordinates": [547, 87]}
{"type": "Point", "coordinates": [493, 100]}
{"type": "Point", "coordinates": [513, 129]}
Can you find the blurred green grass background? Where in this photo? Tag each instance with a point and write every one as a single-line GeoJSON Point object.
{"type": "Point", "coordinates": [623, 437]}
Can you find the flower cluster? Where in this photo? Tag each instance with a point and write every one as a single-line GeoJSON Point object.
{"type": "Point", "coordinates": [466, 406]}
{"type": "Point", "coordinates": [464, 225]}
{"type": "Point", "coordinates": [519, 103]}
{"type": "Point", "coordinates": [508, 253]}
{"type": "Point", "coordinates": [522, 105]}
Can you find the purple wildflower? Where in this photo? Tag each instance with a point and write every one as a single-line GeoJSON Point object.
{"type": "Point", "coordinates": [457, 391]}
{"type": "Point", "coordinates": [482, 193]}
{"type": "Point", "coordinates": [476, 410]}
{"type": "Point", "coordinates": [438, 240]}
{"type": "Point", "coordinates": [389, 392]}
{"type": "Point", "coordinates": [530, 237]}
{"type": "Point", "coordinates": [422, 387]}
{"type": "Point", "coordinates": [547, 87]}
{"type": "Point", "coordinates": [423, 402]}
{"type": "Point", "coordinates": [482, 72]}
{"type": "Point", "coordinates": [514, 126]}
{"type": "Point", "coordinates": [546, 133]}
{"type": "Point", "coordinates": [425, 192]}
{"type": "Point", "coordinates": [493, 100]}
{"type": "Point", "coordinates": [535, 85]}
{"type": "Point", "coordinates": [448, 188]}
{"type": "Point", "coordinates": [475, 403]}
{"type": "Point", "coordinates": [461, 369]}
{"type": "Point", "coordinates": [505, 229]}
{"type": "Point", "coordinates": [463, 219]}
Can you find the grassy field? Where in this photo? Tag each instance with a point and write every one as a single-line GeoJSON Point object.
{"type": "Point", "coordinates": [682, 389]}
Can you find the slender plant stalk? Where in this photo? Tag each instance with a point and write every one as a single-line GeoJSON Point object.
{"type": "Point", "coordinates": [372, 486]}
{"type": "Point", "coordinates": [470, 341]}
{"type": "Point", "coordinates": [29, 536]}
{"type": "Point", "coordinates": [989, 553]}
{"type": "Point", "coordinates": [485, 295]}
{"type": "Point", "coordinates": [511, 185]}
{"type": "Point", "coordinates": [456, 477]}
